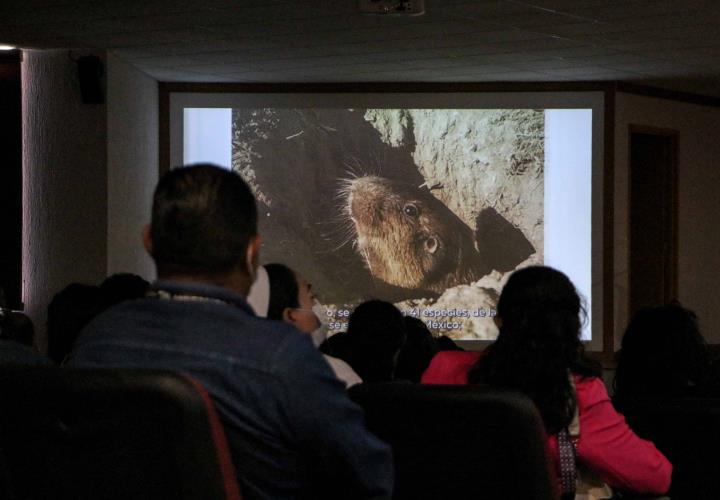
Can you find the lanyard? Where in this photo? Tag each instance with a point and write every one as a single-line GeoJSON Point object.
{"type": "Point", "coordinates": [186, 297]}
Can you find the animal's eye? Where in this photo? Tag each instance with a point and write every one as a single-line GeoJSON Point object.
{"type": "Point", "coordinates": [410, 210]}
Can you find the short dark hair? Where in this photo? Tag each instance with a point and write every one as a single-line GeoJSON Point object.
{"type": "Point", "coordinates": [283, 289]}
{"type": "Point", "coordinates": [121, 287]}
{"type": "Point", "coordinates": [377, 332]}
{"type": "Point", "coordinates": [203, 218]}
{"type": "Point", "coordinates": [70, 310]}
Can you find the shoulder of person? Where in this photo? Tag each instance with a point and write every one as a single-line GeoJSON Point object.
{"type": "Point", "coordinates": [450, 367]}
{"type": "Point", "coordinates": [457, 358]}
{"type": "Point", "coordinates": [590, 388]}
{"type": "Point", "coordinates": [295, 351]}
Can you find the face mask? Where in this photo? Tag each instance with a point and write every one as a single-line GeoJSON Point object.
{"type": "Point", "coordinates": [320, 333]}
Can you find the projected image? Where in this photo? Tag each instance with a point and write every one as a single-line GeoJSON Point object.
{"type": "Point", "coordinates": [427, 208]}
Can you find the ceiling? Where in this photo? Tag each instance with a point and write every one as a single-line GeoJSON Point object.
{"type": "Point", "coordinates": [670, 44]}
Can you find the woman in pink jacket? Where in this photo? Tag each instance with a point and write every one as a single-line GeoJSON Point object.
{"type": "Point", "coordinates": [539, 353]}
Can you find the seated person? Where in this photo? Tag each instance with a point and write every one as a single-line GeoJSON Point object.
{"type": "Point", "coordinates": [122, 286]}
{"type": "Point", "coordinates": [75, 305]}
{"type": "Point", "coordinates": [68, 312]}
{"type": "Point", "coordinates": [662, 354]}
{"type": "Point", "coordinates": [417, 352]}
{"type": "Point", "coordinates": [539, 316]}
{"type": "Point", "coordinates": [375, 334]}
{"type": "Point", "coordinates": [17, 337]}
{"type": "Point", "coordinates": [291, 300]}
{"type": "Point", "coordinates": [292, 431]}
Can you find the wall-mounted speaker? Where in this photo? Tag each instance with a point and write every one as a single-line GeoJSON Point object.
{"type": "Point", "coordinates": [90, 73]}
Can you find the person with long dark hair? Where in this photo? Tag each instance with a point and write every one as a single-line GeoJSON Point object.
{"type": "Point", "coordinates": [417, 352]}
{"type": "Point", "coordinates": [539, 352]}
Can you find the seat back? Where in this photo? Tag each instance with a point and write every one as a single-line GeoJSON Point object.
{"type": "Point", "coordinates": [110, 434]}
{"type": "Point", "coordinates": [459, 441]}
{"type": "Point", "coordinates": [687, 431]}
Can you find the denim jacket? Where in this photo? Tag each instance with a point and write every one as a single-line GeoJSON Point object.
{"type": "Point", "coordinates": [292, 430]}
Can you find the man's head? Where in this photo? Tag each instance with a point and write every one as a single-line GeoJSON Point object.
{"type": "Point", "coordinates": [204, 227]}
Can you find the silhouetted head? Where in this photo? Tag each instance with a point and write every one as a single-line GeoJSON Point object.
{"type": "Point", "coordinates": [376, 332]}
{"type": "Point", "coordinates": [417, 352]}
{"type": "Point", "coordinates": [662, 353]}
{"type": "Point", "coordinates": [121, 287]}
{"type": "Point", "coordinates": [204, 225]}
{"type": "Point", "coordinates": [16, 327]}
{"type": "Point", "coordinates": [539, 306]}
{"type": "Point", "coordinates": [69, 311]}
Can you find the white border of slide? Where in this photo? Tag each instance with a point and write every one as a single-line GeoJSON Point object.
{"type": "Point", "coordinates": [207, 136]}
{"type": "Point", "coordinates": [568, 195]}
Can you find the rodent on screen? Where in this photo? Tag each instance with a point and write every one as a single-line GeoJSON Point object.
{"type": "Point", "coordinates": [430, 209]}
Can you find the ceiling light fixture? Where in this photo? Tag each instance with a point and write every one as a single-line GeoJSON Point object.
{"type": "Point", "coordinates": [7, 47]}
{"type": "Point", "coordinates": [392, 7]}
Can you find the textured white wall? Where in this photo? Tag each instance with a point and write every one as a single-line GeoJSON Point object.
{"type": "Point", "coordinates": [64, 182]}
{"type": "Point", "coordinates": [698, 203]}
{"type": "Point", "coordinates": [132, 125]}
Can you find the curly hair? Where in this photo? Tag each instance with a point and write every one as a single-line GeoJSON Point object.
{"type": "Point", "coordinates": [539, 344]}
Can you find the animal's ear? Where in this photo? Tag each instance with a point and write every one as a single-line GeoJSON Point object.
{"type": "Point", "coordinates": [500, 244]}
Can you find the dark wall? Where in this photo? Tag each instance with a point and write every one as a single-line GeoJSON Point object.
{"type": "Point", "coordinates": [10, 178]}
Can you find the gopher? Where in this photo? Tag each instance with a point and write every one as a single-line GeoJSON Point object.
{"type": "Point", "coordinates": [409, 238]}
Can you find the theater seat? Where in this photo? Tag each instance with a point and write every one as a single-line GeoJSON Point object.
{"type": "Point", "coordinates": [687, 431]}
{"type": "Point", "coordinates": [110, 434]}
{"type": "Point", "coordinates": [456, 442]}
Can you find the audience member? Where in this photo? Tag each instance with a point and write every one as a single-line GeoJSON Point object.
{"type": "Point", "coordinates": [17, 327]}
{"type": "Point", "coordinates": [662, 354]}
{"type": "Point", "coordinates": [17, 340]}
{"type": "Point", "coordinates": [292, 430]}
{"type": "Point", "coordinates": [291, 300]}
{"type": "Point", "coordinates": [69, 311]}
{"type": "Point", "coordinates": [417, 352]}
{"type": "Point", "coordinates": [375, 334]}
{"type": "Point", "coordinates": [538, 352]}
{"type": "Point", "coordinates": [121, 287]}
